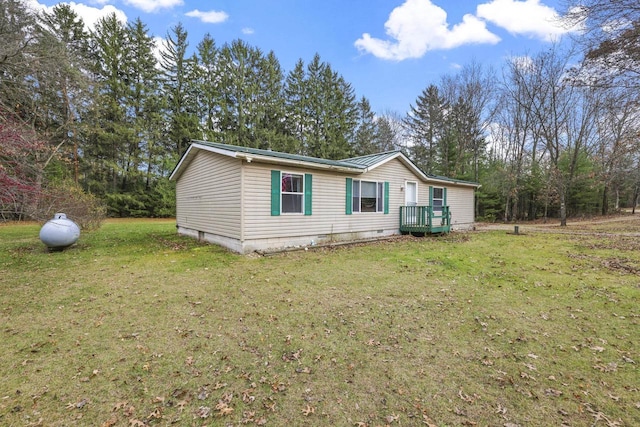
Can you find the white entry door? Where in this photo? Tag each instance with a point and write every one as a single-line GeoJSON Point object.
{"type": "Point", "coordinates": [411, 195]}
{"type": "Point", "coordinates": [410, 201]}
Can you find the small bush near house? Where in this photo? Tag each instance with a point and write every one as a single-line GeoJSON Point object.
{"type": "Point", "coordinates": [83, 208]}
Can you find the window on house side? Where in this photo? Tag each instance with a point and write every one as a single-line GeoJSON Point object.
{"type": "Point", "coordinates": [292, 193]}
{"type": "Point", "coordinates": [438, 199]}
{"type": "Point", "coordinates": [368, 196]}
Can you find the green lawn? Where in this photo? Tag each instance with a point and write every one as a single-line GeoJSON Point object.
{"type": "Point", "coordinates": [136, 326]}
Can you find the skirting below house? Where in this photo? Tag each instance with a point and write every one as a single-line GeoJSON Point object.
{"type": "Point", "coordinates": [273, 243]}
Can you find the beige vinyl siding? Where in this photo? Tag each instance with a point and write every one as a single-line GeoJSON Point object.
{"type": "Point", "coordinates": [461, 202]}
{"type": "Point", "coordinates": [329, 192]}
{"type": "Point", "coordinates": [208, 195]}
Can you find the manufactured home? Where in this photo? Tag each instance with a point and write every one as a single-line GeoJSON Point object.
{"type": "Point", "coordinates": [248, 199]}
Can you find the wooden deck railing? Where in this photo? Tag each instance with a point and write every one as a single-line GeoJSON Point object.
{"type": "Point", "coordinates": [425, 219]}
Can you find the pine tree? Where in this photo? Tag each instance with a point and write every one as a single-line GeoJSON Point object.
{"type": "Point", "coordinates": [63, 86]}
{"type": "Point", "coordinates": [425, 124]}
{"type": "Point", "coordinates": [387, 135]}
{"type": "Point", "coordinates": [179, 78]}
{"type": "Point", "coordinates": [208, 86]}
{"type": "Point", "coordinates": [321, 110]}
{"type": "Point", "coordinates": [252, 103]}
{"type": "Point", "coordinates": [295, 100]}
{"type": "Point", "coordinates": [340, 115]}
{"type": "Point", "coordinates": [271, 129]}
{"type": "Point", "coordinates": [240, 90]}
{"type": "Point", "coordinates": [456, 152]}
{"type": "Point", "coordinates": [18, 29]}
{"type": "Point", "coordinates": [108, 134]}
{"type": "Point", "coordinates": [367, 130]}
{"type": "Point", "coordinates": [145, 105]}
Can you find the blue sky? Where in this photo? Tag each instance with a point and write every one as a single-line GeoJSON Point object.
{"type": "Point", "coordinates": [389, 50]}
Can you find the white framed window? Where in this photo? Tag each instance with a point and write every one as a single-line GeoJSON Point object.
{"type": "Point", "coordinates": [438, 199]}
{"type": "Point", "coordinates": [292, 193]}
{"type": "Point", "coordinates": [367, 196]}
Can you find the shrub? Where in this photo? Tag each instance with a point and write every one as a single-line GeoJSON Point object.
{"type": "Point", "coordinates": [83, 208]}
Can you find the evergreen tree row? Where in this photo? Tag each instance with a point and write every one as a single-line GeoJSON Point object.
{"type": "Point", "coordinates": [120, 117]}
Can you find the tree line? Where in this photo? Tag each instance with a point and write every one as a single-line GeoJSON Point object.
{"type": "Point", "coordinates": [100, 112]}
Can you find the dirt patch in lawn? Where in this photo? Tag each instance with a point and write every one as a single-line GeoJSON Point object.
{"type": "Point", "coordinates": [623, 225]}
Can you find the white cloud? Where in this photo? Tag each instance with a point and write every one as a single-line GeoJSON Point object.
{"type": "Point", "coordinates": [154, 5]}
{"type": "Point", "coordinates": [418, 26]}
{"type": "Point", "coordinates": [530, 18]}
{"type": "Point", "coordinates": [34, 5]}
{"type": "Point", "coordinates": [523, 63]}
{"type": "Point", "coordinates": [90, 15]}
{"type": "Point", "coordinates": [159, 47]}
{"type": "Point", "coordinates": [248, 31]}
{"type": "Point", "coordinates": [211, 17]}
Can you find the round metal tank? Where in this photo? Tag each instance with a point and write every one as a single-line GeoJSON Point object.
{"type": "Point", "coordinates": [59, 232]}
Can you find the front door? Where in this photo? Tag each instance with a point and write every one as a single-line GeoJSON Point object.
{"type": "Point", "coordinates": [411, 201]}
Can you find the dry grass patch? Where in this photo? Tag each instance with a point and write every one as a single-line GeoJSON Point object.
{"type": "Point", "coordinates": [135, 326]}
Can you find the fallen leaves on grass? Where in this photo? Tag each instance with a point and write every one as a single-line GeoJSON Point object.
{"type": "Point", "coordinates": [247, 395]}
{"type": "Point", "coordinates": [308, 410]}
{"type": "Point", "coordinates": [110, 422]}
{"type": "Point", "coordinates": [78, 405]}
{"type": "Point", "coordinates": [552, 392]}
{"type": "Point", "coordinates": [526, 376]}
{"type": "Point", "coordinates": [155, 414]}
{"type": "Point", "coordinates": [600, 416]}
{"type": "Point", "coordinates": [292, 355]}
{"type": "Point", "coordinates": [391, 418]}
{"type": "Point", "coordinates": [224, 409]}
{"type": "Point", "coordinates": [218, 386]}
{"type": "Point", "coordinates": [120, 405]}
{"type": "Point", "coordinates": [628, 359]}
{"type": "Point", "coordinates": [428, 421]}
{"type": "Point", "coordinates": [609, 367]}
{"type": "Point", "coordinates": [203, 412]}
{"type": "Point", "coordinates": [181, 405]}
{"type": "Point", "coordinates": [469, 399]}
{"type": "Point", "coordinates": [203, 393]}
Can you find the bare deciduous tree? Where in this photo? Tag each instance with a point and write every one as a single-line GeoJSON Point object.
{"type": "Point", "coordinates": [610, 39]}
{"type": "Point", "coordinates": [550, 117]}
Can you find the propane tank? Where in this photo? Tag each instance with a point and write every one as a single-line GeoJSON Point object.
{"type": "Point", "coordinates": [59, 232]}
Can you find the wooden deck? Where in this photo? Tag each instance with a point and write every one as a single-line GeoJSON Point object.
{"type": "Point", "coordinates": [425, 219]}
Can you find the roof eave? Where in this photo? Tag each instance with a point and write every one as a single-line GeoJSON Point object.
{"type": "Point", "coordinates": [188, 156]}
{"type": "Point", "coordinates": [298, 163]}
{"type": "Point", "coordinates": [383, 161]}
{"type": "Point", "coordinates": [453, 182]}
{"type": "Point", "coordinates": [258, 158]}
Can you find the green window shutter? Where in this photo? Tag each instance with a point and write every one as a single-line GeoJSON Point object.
{"type": "Point", "coordinates": [444, 196]}
{"type": "Point", "coordinates": [386, 197]}
{"type": "Point", "coordinates": [430, 196]}
{"type": "Point", "coordinates": [307, 194]}
{"type": "Point", "coordinates": [348, 205]}
{"type": "Point", "coordinates": [276, 187]}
